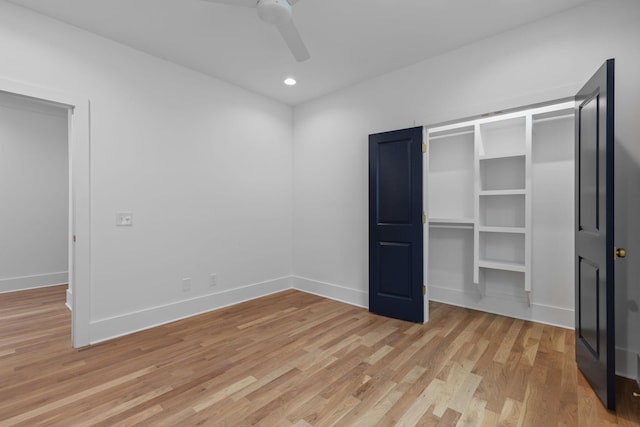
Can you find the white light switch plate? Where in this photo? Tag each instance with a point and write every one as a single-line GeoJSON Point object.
{"type": "Point", "coordinates": [124, 219]}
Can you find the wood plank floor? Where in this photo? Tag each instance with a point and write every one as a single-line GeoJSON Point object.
{"type": "Point", "coordinates": [295, 359]}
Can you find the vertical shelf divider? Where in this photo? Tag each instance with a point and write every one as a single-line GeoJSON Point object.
{"type": "Point", "coordinates": [478, 151]}
{"type": "Point", "coordinates": [528, 205]}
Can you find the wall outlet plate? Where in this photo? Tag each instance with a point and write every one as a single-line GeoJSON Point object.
{"type": "Point", "coordinates": [186, 284]}
{"type": "Point", "coordinates": [124, 219]}
{"type": "Point", "coordinates": [213, 280]}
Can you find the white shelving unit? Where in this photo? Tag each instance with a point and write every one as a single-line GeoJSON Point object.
{"type": "Point", "coordinates": [479, 198]}
{"type": "Point", "coordinates": [503, 207]}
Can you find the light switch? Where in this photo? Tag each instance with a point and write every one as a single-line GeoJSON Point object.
{"type": "Point", "coordinates": [124, 219]}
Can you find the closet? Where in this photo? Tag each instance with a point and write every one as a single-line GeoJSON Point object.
{"type": "Point", "coordinates": [499, 202]}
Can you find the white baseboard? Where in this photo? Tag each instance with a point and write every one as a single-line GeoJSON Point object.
{"type": "Point", "coordinates": [23, 283]}
{"type": "Point", "coordinates": [69, 302]}
{"type": "Point", "coordinates": [511, 307]}
{"type": "Point", "coordinates": [105, 329]}
{"type": "Point", "coordinates": [331, 291]}
{"type": "Point", "coordinates": [113, 327]}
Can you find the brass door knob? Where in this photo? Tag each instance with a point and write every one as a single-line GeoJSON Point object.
{"type": "Point", "coordinates": [620, 253]}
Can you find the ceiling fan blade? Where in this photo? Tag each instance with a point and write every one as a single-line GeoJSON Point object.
{"type": "Point", "coordinates": [292, 37]}
{"type": "Point", "coordinates": [242, 3]}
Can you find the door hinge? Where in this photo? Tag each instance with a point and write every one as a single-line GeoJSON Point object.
{"type": "Point", "coordinates": [424, 147]}
{"type": "Point", "coordinates": [424, 219]}
{"type": "Point", "coordinates": [424, 290]}
{"type": "Point", "coordinates": [74, 238]}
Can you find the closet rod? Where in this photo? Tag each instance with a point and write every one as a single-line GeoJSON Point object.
{"type": "Point", "coordinates": [550, 119]}
{"type": "Point", "coordinates": [455, 226]}
{"type": "Point", "coordinates": [448, 135]}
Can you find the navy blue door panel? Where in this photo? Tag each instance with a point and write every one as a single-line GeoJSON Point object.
{"type": "Point", "coordinates": [395, 224]}
{"type": "Point", "coordinates": [394, 182]}
{"type": "Point", "coordinates": [394, 266]}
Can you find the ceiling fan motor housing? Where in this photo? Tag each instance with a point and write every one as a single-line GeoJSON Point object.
{"type": "Point", "coordinates": [275, 12]}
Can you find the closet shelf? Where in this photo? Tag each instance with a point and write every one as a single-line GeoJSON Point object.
{"type": "Point", "coordinates": [501, 156]}
{"type": "Point", "coordinates": [568, 116]}
{"type": "Point", "coordinates": [515, 191]}
{"type": "Point", "coordinates": [449, 135]}
{"type": "Point", "coordinates": [502, 265]}
{"type": "Point", "coordinates": [512, 230]}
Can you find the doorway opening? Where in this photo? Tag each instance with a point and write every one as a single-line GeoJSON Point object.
{"type": "Point", "coordinates": [48, 198]}
{"type": "Point", "coordinates": [34, 187]}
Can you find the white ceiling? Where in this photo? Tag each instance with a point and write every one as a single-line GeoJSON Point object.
{"type": "Point", "coordinates": [349, 40]}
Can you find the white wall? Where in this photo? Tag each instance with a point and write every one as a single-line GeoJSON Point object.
{"type": "Point", "coordinates": [34, 194]}
{"type": "Point", "coordinates": [205, 167]}
{"type": "Point", "coordinates": [547, 60]}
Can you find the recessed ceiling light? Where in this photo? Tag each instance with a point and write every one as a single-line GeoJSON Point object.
{"type": "Point", "coordinates": [290, 81]}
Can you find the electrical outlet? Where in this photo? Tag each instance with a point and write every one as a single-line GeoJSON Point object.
{"type": "Point", "coordinates": [124, 219]}
{"type": "Point", "coordinates": [213, 280]}
{"type": "Point", "coordinates": [186, 284]}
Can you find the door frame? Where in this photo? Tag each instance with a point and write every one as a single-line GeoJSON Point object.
{"type": "Point", "coordinates": [78, 141]}
{"type": "Point", "coordinates": [425, 228]}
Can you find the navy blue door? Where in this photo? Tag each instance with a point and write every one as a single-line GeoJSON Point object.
{"type": "Point", "coordinates": [395, 224]}
{"type": "Point", "coordinates": [594, 249]}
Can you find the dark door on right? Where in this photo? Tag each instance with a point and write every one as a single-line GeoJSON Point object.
{"type": "Point", "coordinates": [594, 247]}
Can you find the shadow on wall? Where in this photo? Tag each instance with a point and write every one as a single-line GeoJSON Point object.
{"type": "Point", "coordinates": [627, 235]}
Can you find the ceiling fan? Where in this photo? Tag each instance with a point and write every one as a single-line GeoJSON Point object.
{"type": "Point", "coordinates": [278, 13]}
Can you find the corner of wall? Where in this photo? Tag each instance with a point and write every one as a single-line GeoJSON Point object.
{"type": "Point", "coordinates": [332, 291]}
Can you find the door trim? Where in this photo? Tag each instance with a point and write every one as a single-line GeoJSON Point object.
{"type": "Point", "coordinates": [79, 199]}
{"type": "Point", "coordinates": [425, 228]}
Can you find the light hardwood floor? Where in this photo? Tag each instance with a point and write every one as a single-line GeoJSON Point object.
{"type": "Point", "coordinates": [295, 359]}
